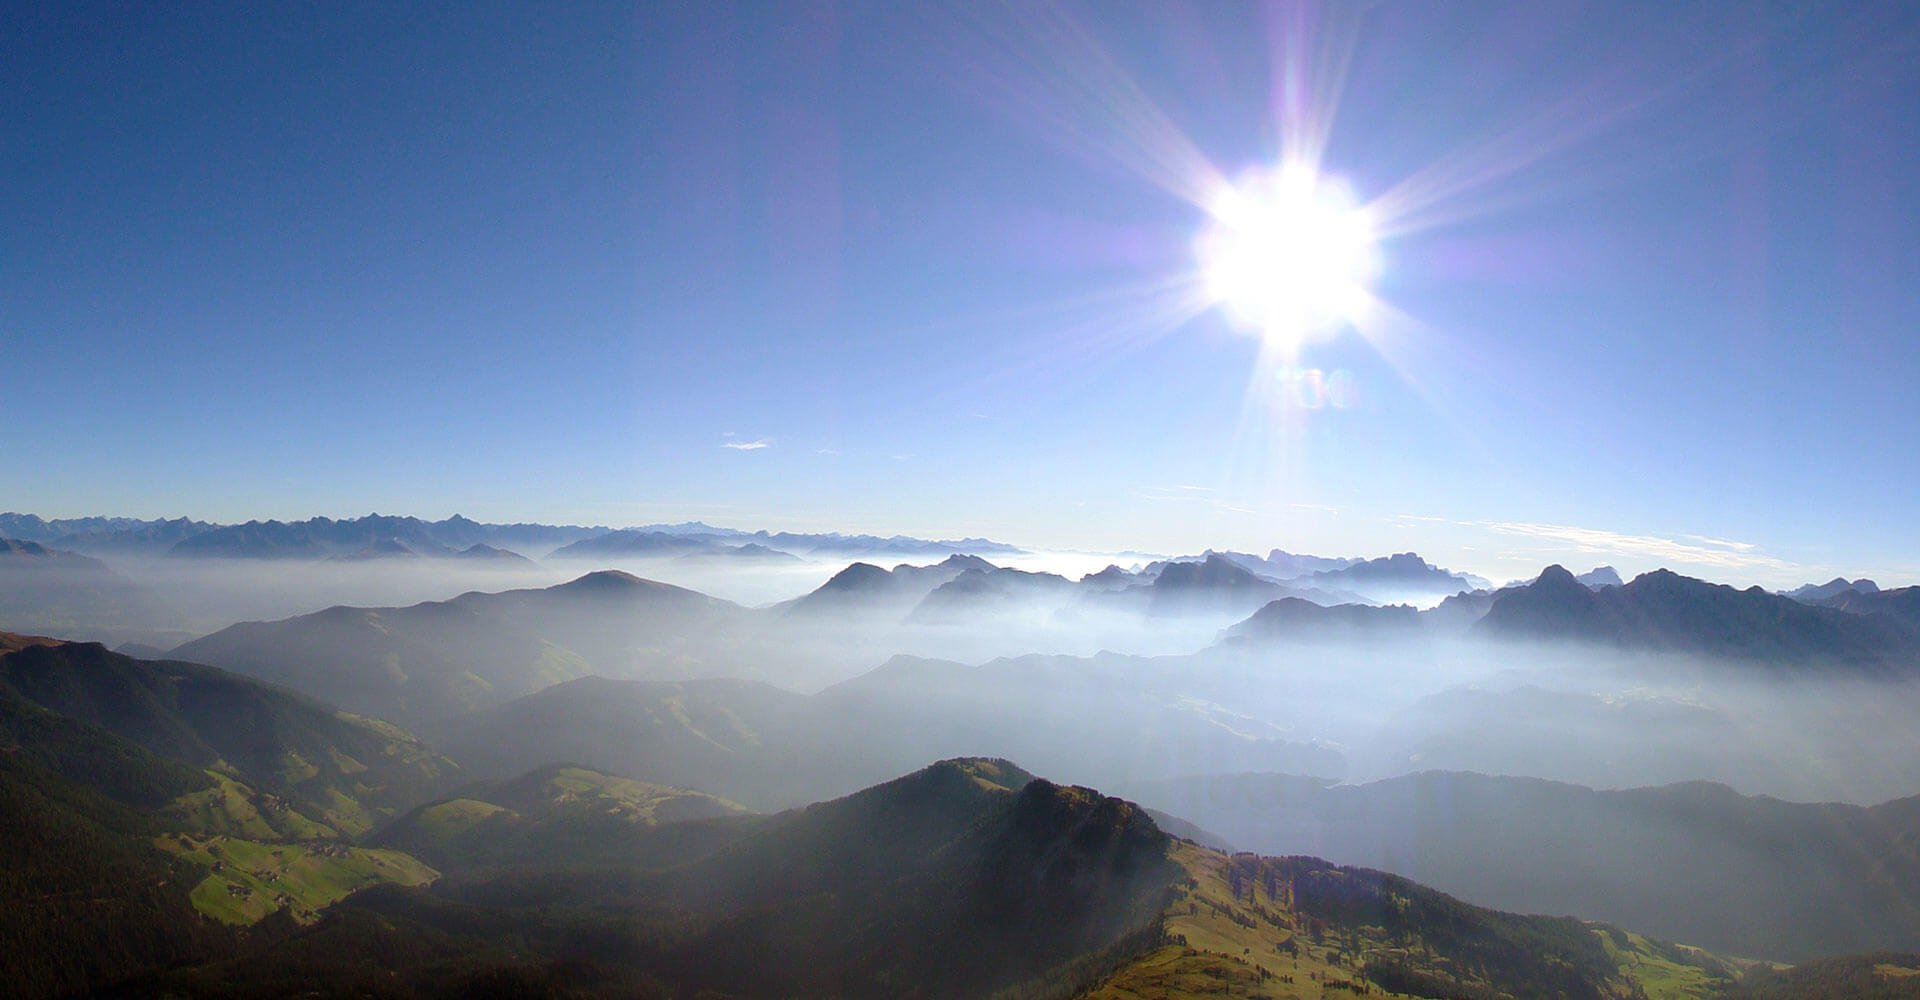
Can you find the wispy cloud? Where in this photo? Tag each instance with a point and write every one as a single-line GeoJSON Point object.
{"type": "Point", "coordinates": [1694, 549]}
{"type": "Point", "coordinates": [1721, 543]}
{"type": "Point", "coordinates": [754, 445]}
{"type": "Point", "coordinates": [1182, 494]}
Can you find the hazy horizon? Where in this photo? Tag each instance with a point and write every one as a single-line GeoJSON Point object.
{"type": "Point", "coordinates": [1579, 550]}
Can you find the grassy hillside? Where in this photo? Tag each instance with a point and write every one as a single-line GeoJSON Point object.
{"type": "Point", "coordinates": [248, 880]}
{"type": "Point", "coordinates": [1300, 927]}
{"type": "Point", "coordinates": [1874, 976]}
{"type": "Point", "coordinates": [345, 772]}
{"type": "Point", "coordinates": [559, 815]}
{"type": "Point", "coordinates": [118, 781]}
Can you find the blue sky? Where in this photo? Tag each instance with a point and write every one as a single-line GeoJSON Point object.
{"type": "Point", "coordinates": [1654, 300]}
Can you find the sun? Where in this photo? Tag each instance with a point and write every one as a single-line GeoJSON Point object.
{"type": "Point", "coordinates": [1288, 254]}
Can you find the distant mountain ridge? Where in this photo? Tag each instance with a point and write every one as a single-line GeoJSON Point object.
{"type": "Point", "coordinates": [34, 528]}
{"type": "Point", "coordinates": [1664, 610]}
{"type": "Point", "coordinates": [14, 551]}
{"type": "Point", "coordinates": [1403, 575]}
{"type": "Point", "coordinates": [1659, 610]}
{"type": "Point", "coordinates": [1293, 618]}
{"type": "Point", "coordinates": [866, 589]}
{"type": "Point", "coordinates": [1821, 593]}
{"type": "Point", "coordinates": [324, 537]}
{"type": "Point", "coordinates": [1396, 579]}
{"type": "Point", "coordinates": [1902, 603]}
{"type": "Point", "coordinates": [1278, 564]}
{"type": "Point", "coordinates": [1219, 583]}
{"type": "Point", "coordinates": [1601, 576]}
{"type": "Point", "coordinates": [321, 537]}
{"type": "Point", "coordinates": [431, 661]}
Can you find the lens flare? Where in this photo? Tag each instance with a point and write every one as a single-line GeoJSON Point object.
{"type": "Point", "coordinates": [1289, 254]}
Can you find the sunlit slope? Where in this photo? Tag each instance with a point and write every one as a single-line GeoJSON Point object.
{"type": "Point", "coordinates": [114, 859]}
{"type": "Point", "coordinates": [247, 881]}
{"type": "Point", "coordinates": [1248, 926]}
{"type": "Point", "coordinates": [344, 772]}
{"type": "Point", "coordinates": [560, 814]}
{"type": "Point", "coordinates": [133, 829]}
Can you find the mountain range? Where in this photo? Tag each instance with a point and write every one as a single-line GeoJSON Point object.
{"type": "Point", "coordinates": [430, 666]}
{"type": "Point", "coordinates": [1396, 579]}
{"type": "Point", "coordinates": [866, 590]}
{"type": "Point", "coordinates": [1821, 593]}
{"type": "Point", "coordinates": [1664, 610]}
{"type": "Point", "coordinates": [1656, 611]}
{"type": "Point", "coordinates": [323, 537]}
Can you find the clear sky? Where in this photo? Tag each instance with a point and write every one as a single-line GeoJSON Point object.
{"type": "Point", "coordinates": [1646, 287]}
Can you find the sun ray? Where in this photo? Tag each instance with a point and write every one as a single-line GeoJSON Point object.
{"type": "Point", "coordinates": [1082, 333]}
{"type": "Point", "coordinates": [1041, 67]}
{"type": "Point", "coordinates": [1313, 47]}
{"type": "Point", "coordinates": [1500, 171]}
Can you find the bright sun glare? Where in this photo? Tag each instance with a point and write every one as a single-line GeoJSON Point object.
{"type": "Point", "coordinates": [1289, 254]}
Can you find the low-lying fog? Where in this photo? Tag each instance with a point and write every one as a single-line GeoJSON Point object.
{"type": "Point", "coordinates": [1040, 670]}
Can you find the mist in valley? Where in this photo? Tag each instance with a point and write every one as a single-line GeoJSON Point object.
{"type": "Point", "coordinates": [1098, 682]}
